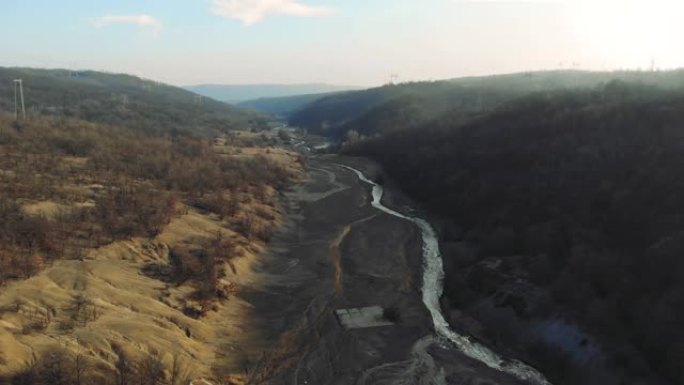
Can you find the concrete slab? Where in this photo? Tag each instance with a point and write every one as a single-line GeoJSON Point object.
{"type": "Point", "coordinates": [359, 318]}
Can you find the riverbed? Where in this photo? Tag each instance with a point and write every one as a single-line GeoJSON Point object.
{"type": "Point", "coordinates": [432, 289]}
{"type": "Point", "coordinates": [339, 250]}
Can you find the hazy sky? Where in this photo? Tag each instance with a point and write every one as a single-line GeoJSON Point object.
{"type": "Point", "coordinates": [351, 42]}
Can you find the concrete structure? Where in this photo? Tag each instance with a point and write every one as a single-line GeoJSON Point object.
{"type": "Point", "coordinates": [367, 317]}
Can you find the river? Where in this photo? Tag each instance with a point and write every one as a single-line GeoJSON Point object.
{"type": "Point", "coordinates": [432, 287]}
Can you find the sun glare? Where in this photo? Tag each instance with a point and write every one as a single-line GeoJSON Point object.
{"type": "Point", "coordinates": [631, 33]}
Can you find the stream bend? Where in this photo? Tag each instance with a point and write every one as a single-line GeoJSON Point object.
{"type": "Point", "coordinates": [432, 288]}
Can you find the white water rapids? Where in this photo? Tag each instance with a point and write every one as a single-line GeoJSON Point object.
{"type": "Point", "coordinates": [433, 277]}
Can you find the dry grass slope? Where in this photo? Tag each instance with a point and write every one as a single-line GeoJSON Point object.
{"type": "Point", "coordinates": [134, 270]}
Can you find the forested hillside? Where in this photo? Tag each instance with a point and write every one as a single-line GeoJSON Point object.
{"type": "Point", "coordinates": [335, 116]}
{"type": "Point", "coordinates": [578, 191]}
{"type": "Point", "coordinates": [395, 107]}
{"type": "Point", "coordinates": [121, 100]}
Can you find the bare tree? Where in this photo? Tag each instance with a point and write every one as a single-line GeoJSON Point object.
{"type": "Point", "coordinates": [209, 275]}
{"type": "Point", "coordinates": [55, 367]}
{"type": "Point", "coordinates": [28, 375]}
{"type": "Point", "coordinates": [234, 204]}
{"type": "Point", "coordinates": [123, 366]}
{"type": "Point", "coordinates": [151, 369]}
{"type": "Point", "coordinates": [80, 367]}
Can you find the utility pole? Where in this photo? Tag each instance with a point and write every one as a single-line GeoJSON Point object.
{"type": "Point", "coordinates": [19, 86]}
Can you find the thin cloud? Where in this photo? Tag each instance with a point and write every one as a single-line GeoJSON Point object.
{"type": "Point", "coordinates": [250, 12]}
{"type": "Point", "coordinates": [142, 21]}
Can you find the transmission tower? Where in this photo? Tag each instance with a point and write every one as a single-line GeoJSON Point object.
{"type": "Point", "coordinates": [393, 78]}
{"type": "Point", "coordinates": [19, 96]}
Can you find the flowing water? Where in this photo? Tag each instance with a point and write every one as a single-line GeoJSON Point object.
{"type": "Point", "coordinates": [433, 278]}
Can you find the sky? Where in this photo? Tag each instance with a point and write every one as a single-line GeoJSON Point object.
{"type": "Point", "coordinates": [343, 42]}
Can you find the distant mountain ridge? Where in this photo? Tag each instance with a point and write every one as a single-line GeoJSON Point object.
{"type": "Point", "coordinates": [285, 106]}
{"type": "Point", "coordinates": [243, 92]}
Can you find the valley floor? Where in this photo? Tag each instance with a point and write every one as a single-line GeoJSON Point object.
{"type": "Point", "coordinates": [338, 252]}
